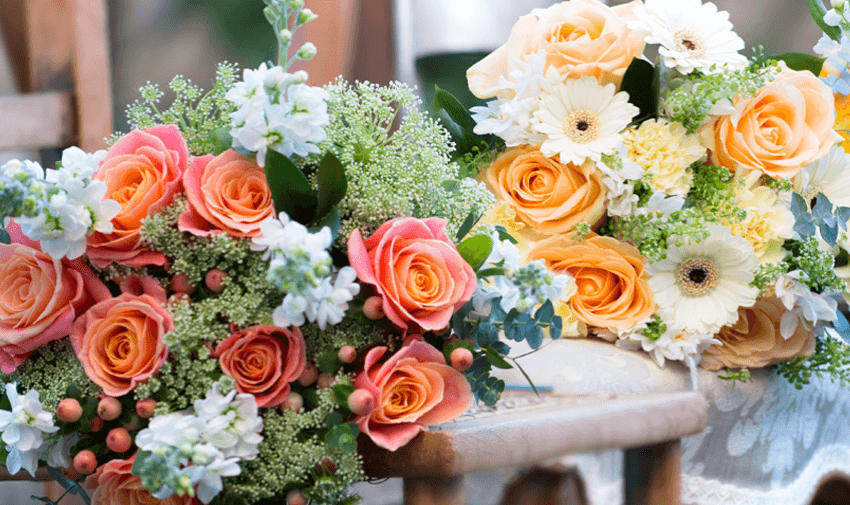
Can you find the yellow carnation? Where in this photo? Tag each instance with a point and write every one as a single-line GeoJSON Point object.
{"type": "Point", "coordinates": [665, 151]}
{"type": "Point", "coordinates": [501, 215]}
{"type": "Point", "coordinates": [769, 220]}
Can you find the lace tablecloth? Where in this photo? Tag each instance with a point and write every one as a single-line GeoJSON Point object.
{"type": "Point", "coordinates": [766, 442]}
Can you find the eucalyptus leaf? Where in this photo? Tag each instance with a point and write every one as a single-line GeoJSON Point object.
{"type": "Point", "coordinates": [829, 234]}
{"type": "Point", "coordinates": [5, 238]}
{"type": "Point", "coordinates": [798, 204]}
{"type": "Point", "coordinates": [823, 210]}
{"type": "Point", "coordinates": [842, 326]}
{"type": "Point", "coordinates": [534, 336]}
{"type": "Point", "coordinates": [555, 328]}
{"type": "Point", "coordinates": [545, 313]}
{"type": "Point", "coordinates": [475, 250]}
{"type": "Point", "coordinates": [290, 189]}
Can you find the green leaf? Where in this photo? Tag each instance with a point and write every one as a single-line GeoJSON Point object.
{"type": "Point", "coordinates": [496, 360]}
{"type": "Point", "coordinates": [446, 101]}
{"type": "Point", "coordinates": [817, 11]}
{"type": "Point", "coordinates": [342, 392]}
{"type": "Point", "coordinates": [333, 420]}
{"type": "Point", "coordinates": [332, 220]}
{"type": "Point", "coordinates": [475, 250]}
{"type": "Point", "coordinates": [641, 81]}
{"type": "Point", "coordinates": [467, 225]}
{"type": "Point", "coordinates": [343, 436]}
{"type": "Point", "coordinates": [5, 238]}
{"type": "Point", "coordinates": [221, 141]}
{"type": "Point", "coordinates": [291, 191]}
{"type": "Point", "coordinates": [490, 271]}
{"type": "Point", "coordinates": [329, 362]}
{"type": "Point", "coordinates": [802, 61]}
{"type": "Point", "coordinates": [73, 391]}
{"type": "Point", "coordinates": [464, 141]}
{"type": "Point", "coordinates": [141, 456]}
{"type": "Point", "coordinates": [504, 235]}
{"type": "Point", "coordinates": [332, 184]}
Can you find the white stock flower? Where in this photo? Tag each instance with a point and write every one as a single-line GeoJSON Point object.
{"type": "Point", "coordinates": [330, 300]}
{"type": "Point", "coordinates": [210, 484]}
{"type": "Point", "coordinates": [804, 306]}
{"type": "Point", "coordinates": [232, 422]}
{"type": "Point", "coordinates": [674, 344]}
{"type": "Point", "coordinates": [23, 429]}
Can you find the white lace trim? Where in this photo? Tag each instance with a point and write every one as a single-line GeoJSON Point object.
{"type": "Point", "coordinates": [699, 491]}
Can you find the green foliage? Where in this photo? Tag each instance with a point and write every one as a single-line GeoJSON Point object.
{"type": "Point", "coordinates": [828, 219]}
{"type": "Point", "coordinates": [818, 265]}
{"type": "Point", "coordinates": [475, 250]}
{"type": "Point", "coordinates": [642, 82]}
{"type": "Point", "coordinates": [831, 360]}
{"type": "Point", "coordinates": [817, 11]}
{"type": "Point", "coordinates": [742, 375]}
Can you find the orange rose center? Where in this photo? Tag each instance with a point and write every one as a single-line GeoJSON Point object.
{"type": "Point", "coordinates": [590, 28]}
{"type": "Point", "coordinates": [403, 394]}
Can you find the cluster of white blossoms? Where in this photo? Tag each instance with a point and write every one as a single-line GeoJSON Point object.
{"type": "Point", "coordinates": [195, 450]}
{"type": "Point", "coordinates": [300, 265]}
{"type": "Point", "coordinates": [27, 430]}
{"type": "Point", "coordinates": [278, 111]}
{"type": "Point", "coordinates": [58, 208]}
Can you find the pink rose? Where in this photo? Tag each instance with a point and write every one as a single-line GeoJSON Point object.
{"type": "Point", "coordinates": [39, 298]}
{"type": "Point", "coordinates": [142, 172]}
{"type": "Point", "coordinates": [415, 269]}
{"type": "Point", "coordinates": [413, 390]}
{"type": "Point", "coordinates": [227, 193]}
{"type": "Point", "coordinates": [113, 483]}
{"type": "Point", "coordinates": [119, 341]}
{"type": "Point", "coordinates": [143, 285]}
{"type": "Point", "coordinates": [263, 360]}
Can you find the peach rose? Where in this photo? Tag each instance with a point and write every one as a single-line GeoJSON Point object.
{"type": "Point", "coordinates": [579, 37]}
{"type": "Point", "coordinates": [39, 298]}
{"type": "Point", "coordinates": [612, 289]}
{"type": "Point", "coordinates": [788, 124]}
{"type": "Point", "coordinates": [548, 196]}
{"type": "Point", "coordinates": [415, 269]}
{"type": "Point", "coordinates": [113, 483]}
{"type": "Point", "coordinates": [227, 193]}
{"type": "Point", "coordinates": [142, 172]}
{"type": "Point", "coordinates": [263, 360]}
{"type": "Point", "coordinates": [413, 390]}
{"type": "Point", "coordinates": [754, 341]}
{"type": "Point", "coordinates": [119, 341]}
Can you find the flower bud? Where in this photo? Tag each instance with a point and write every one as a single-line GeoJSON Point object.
{"type": "Point", "coordinates": [180, 284]}
{"type": "Point", "coordinates": [296, 4]}
{"type": "Point", "coordinates": [373, 308]}
{"type": "Point", "coordinates": [145, 407]}
{"type": "Point", "coordinates": [361, 402]}
{"type": "Point", "coordinates": [85, 462]}
{"type": "Point", "coordinates": [118, 440]}
{"type": "Point", "coordinates": [837, 4]}
{"type": "Point", "coordinates": [309, 375]}
{"type": "Point", "coordinates": [325, 380]}
{"type": "Point", "coordinates": [285, 36]}
{"type": "Point", "coordinates": [461, 359]}
{"type": "Point", "coordinates": [69, 410]}
{"type": "Point", "coordinates": [109, 408]}
{"type": "Point", "coordinates": [306, 16]}
{"type": "Point", "coordinates": [347, 354]}
{"type": "Point", "coordinates": [294, 401]}
{"type": "Point", "coordinates": [295, 497]}
{"type": "Point", "coordinates": [215, 280]}
{"type": "Point", "coordinates": [306, 52]}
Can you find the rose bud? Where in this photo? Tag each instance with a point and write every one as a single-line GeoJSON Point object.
{"type": "Point", "coordinates": [295, 497]}
{"type": "Point", "coordinates": [325, 380]}
{"type": "Point", "coordinates": [215, 280]}
{"type": "Point", "coordinates": [180, 284]}
{"type": "Point", "coordinates": [109, 408]}
{"type": "Point", "coordinates": [118, 440]}
{"type": "Point", "coordinates": [96, 424]}
{"type": "Point", "coordinates": [347, 354]}
{"type": "Point", "coordinates": [145, 407]}
{"type": "Point", "coordinates": [294, 401]}
{"type": "Point", "coordinates": [461, 359]}
{"type": "Point", "coordinates": [361, 402]}
{"type": "Point", "coordinates": [69, 410]}
{"type": "Point", "coordinates": [373, 308]}
{"type": "Point", "coordinates": [309, 375]}
{"type": "Point", "coordinates": [85, 462]}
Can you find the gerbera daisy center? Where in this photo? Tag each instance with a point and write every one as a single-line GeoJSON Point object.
{"type": "Point", "coordinates": [697, 276]}
{"type": "Point", "coordinates": [581, 126]}
{"type": "Point", "coordinates": [689, 43]}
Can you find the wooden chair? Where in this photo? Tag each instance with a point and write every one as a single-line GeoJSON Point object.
{"type": "Point", "coordinates": [60, 58]}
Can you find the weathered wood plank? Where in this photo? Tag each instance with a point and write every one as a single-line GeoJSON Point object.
{"type": "Point", "coordinates": [92, 77]}
{"type": "Point", "coordinates": [36, 120]}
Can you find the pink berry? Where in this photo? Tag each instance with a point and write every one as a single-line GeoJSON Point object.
{"type": "Point", "coordinates": [461, 359]}
{"type": "Point", "coordinates": [180, 284]}
{"type": "Point", "coordinates": [69, 410]}
{"type": "Point", "coordinates": [85, 462]}
{"type": "Point", "coordinates": [373, 308]}
{"type": "Point", "coordinates": [295, 497]}
{"type": "Point", "coordinates": [309, 375]}
{"type": "Point", "coordinates": [361, 402]}
{"type": "Point", "coordinates": [325, 380]}
{"type": "Point", "coordinates": [294, 401]}
{"type": "Point", "coordinates": [145, 407]}
{"type": "Point", "coordinates": [118, 440]}
{"type": "Point", "coordinates": [109, 408]}
{"type": "Point", "coordinates": [347, 354]}
{"type": "Point", "coordinates": [215, 280]}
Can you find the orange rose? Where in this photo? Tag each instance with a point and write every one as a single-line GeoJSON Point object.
{"type": "Point", "coordinates": [113, 483]}
{"type": "Point", "coordinates": [263, 360]}
{"type": "Point", "coordinates": [754, 341]}
{"type": "Point", "coordinates": [548, 196]}
{"type": "Point", "coordinates": [142, 172]}
{"type": "Point", "coordinates": [611, 284]}
{"type": "Point", "coordinates": [579, 37]}
{"type": "Point", "coordinates": [788, 124]}
{"type": "Point", "coordinates": [119, 341]}
{"type": "Point", "coordinates": [227, 193]}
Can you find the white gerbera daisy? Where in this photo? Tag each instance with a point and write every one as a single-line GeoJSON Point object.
{"type": "Point", "coordinates": [692, 35]}
{"type": "Point", "coordinates": [829, 175]}
{"type": "Point", "coordinates": [700, 285]}
{"type": "Point", "coordinates": [581, 119]}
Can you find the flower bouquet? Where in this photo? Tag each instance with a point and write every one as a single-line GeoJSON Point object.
{"type": "Point", "coordinates": [216, 307]}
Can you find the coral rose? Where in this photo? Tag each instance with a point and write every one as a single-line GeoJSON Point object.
{"type": "Point", "coordinates": [263, 360]}
{"type": "Point", "coordinates": [612, 289]}
{"type": "Point", "coordinates": [788, 124]}
{"type": "Point", "coordinates": [119, 341]}
{"type": "Point", "coordinates": [142, 172]}
{"type": "Point", "coordinates": [113, 483]}
{"type": "Point", "coordinates": [579, 37]}
{"type": "Point", "coordinates": [227, 193]}
{"type": "Point", "coordinates": [413, 389]}
{"type": "Point", "coordinates": [754, 341]}
{"type": "Point", "coordinates": [548, 196]}
{"type": "Point", "coordinates": [415, 269]}
{"type": "Point", "coordinates": [39, 298]}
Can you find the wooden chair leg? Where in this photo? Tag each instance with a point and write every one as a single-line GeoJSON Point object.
{"type": "Point", "coordinates": [652, 474]}
{"type": "Point", "coordinates": [545, 486]}
{"type": "Point", "coordinates": [433, 490]}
